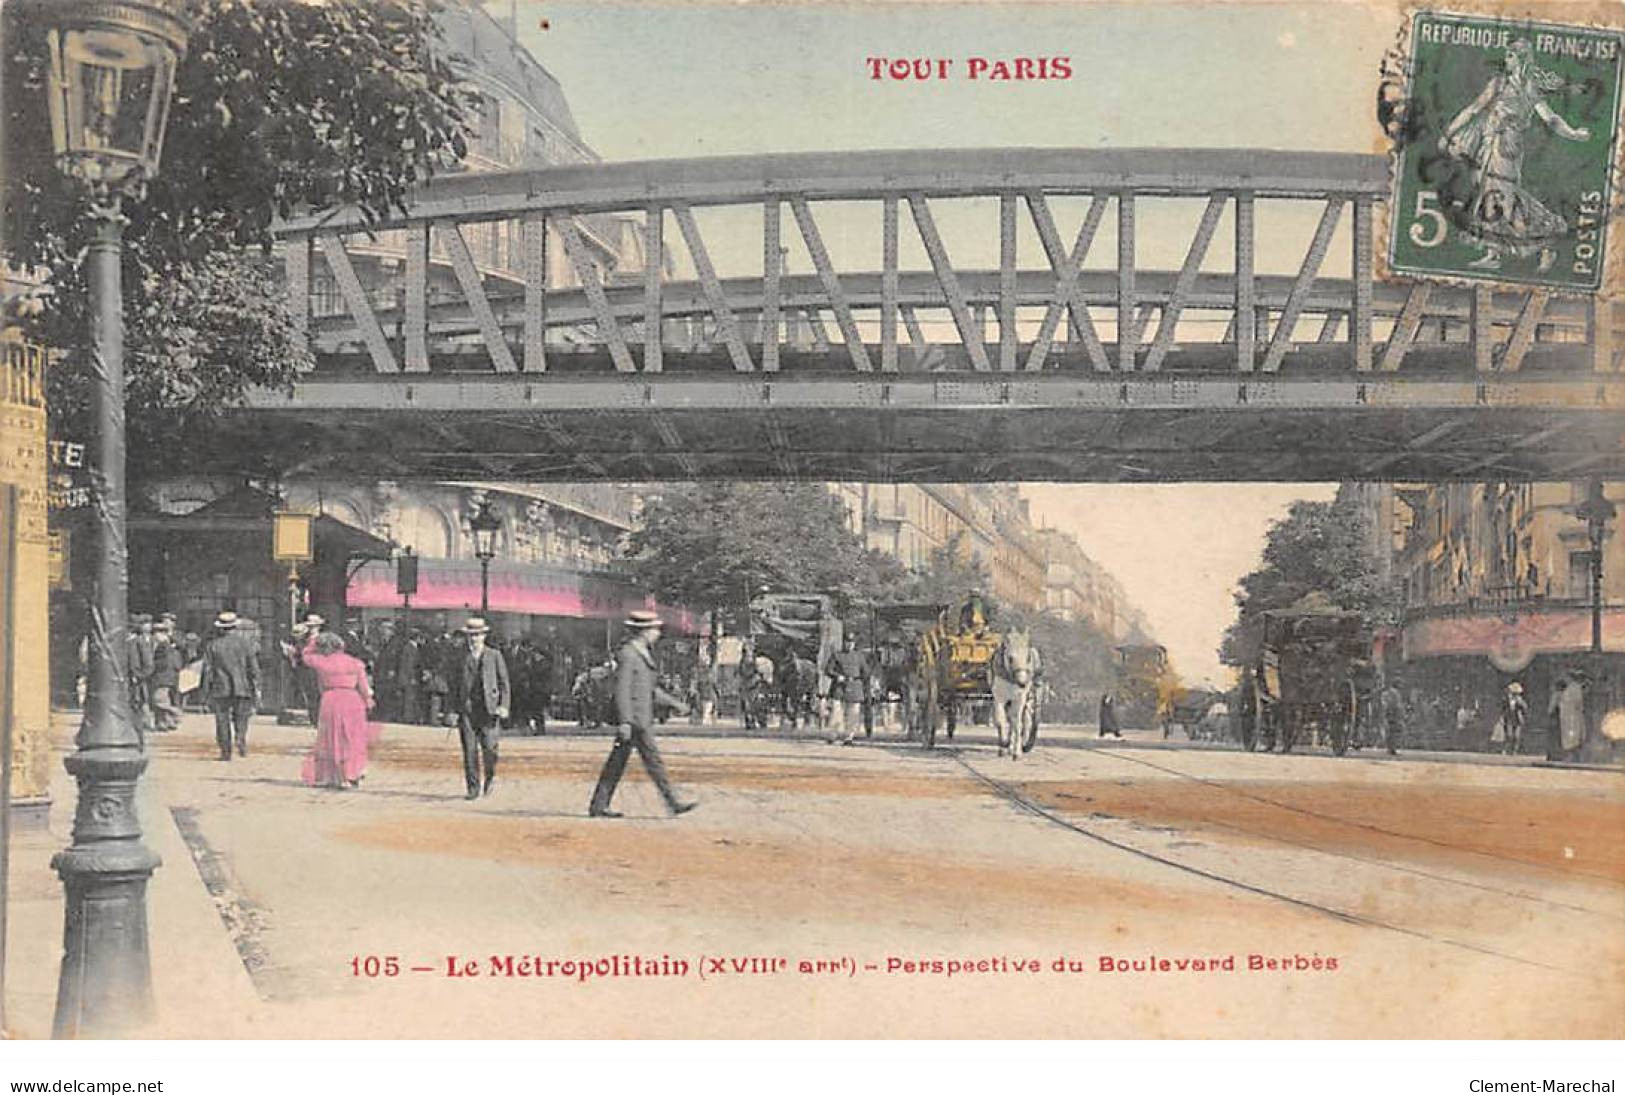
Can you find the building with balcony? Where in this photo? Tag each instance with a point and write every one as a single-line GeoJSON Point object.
{"type": "Point", "coordinates": [1078, 588]}
{"type": "Point", "coordinates": [1496, 581]}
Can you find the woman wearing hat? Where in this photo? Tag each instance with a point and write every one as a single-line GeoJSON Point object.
{"type": "Point", "coordinates": [339, 757]}
{"type": "Point", "coordinates": [635, 696]}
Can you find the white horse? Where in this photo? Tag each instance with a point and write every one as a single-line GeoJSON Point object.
{"type": "Point", "coordinates": [1014, 671]}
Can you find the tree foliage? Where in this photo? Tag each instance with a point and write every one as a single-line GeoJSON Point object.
{"type": "Point", "coordinates": [278, 107]}
{"type": "Point", "coordinates": [1319, 548]}
{"type": "Point", "coordinates": [713, 545]}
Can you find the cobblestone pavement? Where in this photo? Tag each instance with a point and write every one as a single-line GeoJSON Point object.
{"type": "Point", "coordinates": [877, 890]}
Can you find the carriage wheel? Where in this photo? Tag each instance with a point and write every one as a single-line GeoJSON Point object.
{"type": "Point", "coordinates": [1029, 724]}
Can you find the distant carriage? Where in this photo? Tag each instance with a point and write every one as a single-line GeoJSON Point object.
{"type": "Point", "coordinates": [800, 633]}
{"type": "Point", "coordinates": [1145, 687]}
{"type": "Point", "coordinates": [1313, 676]}
{"type": "Point", "coordinates": [1192, 711]}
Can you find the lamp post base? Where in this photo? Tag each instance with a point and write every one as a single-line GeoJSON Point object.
{"type": "Point", "coordinates": [106, 984]}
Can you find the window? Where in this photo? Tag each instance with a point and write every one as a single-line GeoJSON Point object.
{"type": "Point", "coordinates": [1580, 574]}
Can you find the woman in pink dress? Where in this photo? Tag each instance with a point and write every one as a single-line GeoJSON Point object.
{"type": "Point", "coordinates": [339, 757]}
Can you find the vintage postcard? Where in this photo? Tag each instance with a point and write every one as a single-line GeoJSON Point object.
{"type": "Point", "coordinates": [543, 519]}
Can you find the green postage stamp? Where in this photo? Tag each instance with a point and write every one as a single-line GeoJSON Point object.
{"type": "Point", "coordinates": [1506, 150]}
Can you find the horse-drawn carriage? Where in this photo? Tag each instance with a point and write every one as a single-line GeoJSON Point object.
{"type": "Point", "coordinates": [899, 660]}
{"type": "Point", "coordinates": [1192, 710]}
{"type": "Point", "coordinates": [1313, 676]}
{"type": "Point", "coordinates": [800, 634]}
{"type": "Point", "coordinates": [968, 670]}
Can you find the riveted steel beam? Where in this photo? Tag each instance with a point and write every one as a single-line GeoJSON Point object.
{"type": "Point", "coordinates": [832, 284]}
{"type": "Point", "coordinates": [473, 286]}
{"type": "Point", "coordinates": [1187, 278]}
{"type": "Point", "coordinates": [609, 328]}
{"type": "Point", "coordinates": [1329, 217]}
{"type": "Point", "coordinates": [948, 281]}
{"type": "Point", "coordinates": [1065, 266]}
{"type": "Point", "coordinates": [360, 305]}
{"type": "Point", "coordinates": [727, 325]}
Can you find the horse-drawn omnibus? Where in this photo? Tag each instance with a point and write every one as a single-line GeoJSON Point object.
{"type": "Point", "coordinates": [1313, 675]}
{"type": "Point", "coordinates": [800, 633]}
{"type": "Point", "coordinates": [1145, 685]}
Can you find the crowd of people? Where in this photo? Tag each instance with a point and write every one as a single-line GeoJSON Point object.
{"type": "Point", "coordinates": [351, 687]}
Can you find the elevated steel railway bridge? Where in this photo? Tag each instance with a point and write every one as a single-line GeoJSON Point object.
{"type": "Point", "coordinates": [1052, 366]}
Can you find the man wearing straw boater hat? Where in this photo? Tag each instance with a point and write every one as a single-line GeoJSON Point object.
{"type": "Point", "coordinates": [635, 695]}
{"type": "Point", "coordinates": [231, 681]}
{"type": "Point", "coordinates": [481, 695]}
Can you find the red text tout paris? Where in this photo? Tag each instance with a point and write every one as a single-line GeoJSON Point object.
{"type": "Point", "coordinates": [991, 69]}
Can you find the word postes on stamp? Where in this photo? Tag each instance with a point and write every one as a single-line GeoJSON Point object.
{"type": "Point", "coordinates": [1506, 147]}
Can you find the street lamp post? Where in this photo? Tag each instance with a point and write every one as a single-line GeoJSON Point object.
{"type": "Point", "coordinates": [112, 71]}
{"type": "Point", "coordinates": [484, 525]}
{"type": "Point", "coordinates": [1596, 511]}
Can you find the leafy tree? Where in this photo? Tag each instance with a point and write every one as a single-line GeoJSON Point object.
{"type": "Point", "coordinates": [278, 107]}
{"type": "Point", "coordinates": [1077, 661]}
{"type": "Point", "coordinates": [713, 545]}
{"type": "Point", "coordinates": [1321, 550]}
{"type": "Point", "coordinates": [948, 577]}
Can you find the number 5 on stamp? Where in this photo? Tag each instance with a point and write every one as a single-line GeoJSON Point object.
{"type": "Point", "coordinates": [1506, 150]}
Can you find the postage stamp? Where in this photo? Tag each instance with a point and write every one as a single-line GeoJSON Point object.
{"type": "Point", "coordinates": [1506, 150]}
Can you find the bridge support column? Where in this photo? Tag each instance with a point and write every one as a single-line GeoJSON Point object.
{"type": "Point", "coordinates": [1127, 322]}
{"type": "Point", "coordinates": [1244, 320]}
{"type": "Point", "coordinates": [1482, 334]}
{"type": "Point", "coordinates": [1360, 315]}
{"type": "Point", "coordinates": [1600, 333]}
{"type": "Point", "coordinates": [772, 268]}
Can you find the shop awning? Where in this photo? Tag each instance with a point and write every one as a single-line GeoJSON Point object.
{"type": "Point", "coordinates": [526, 588]}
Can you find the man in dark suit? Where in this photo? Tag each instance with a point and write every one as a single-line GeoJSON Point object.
{"type": "Point", "coordinates": [481, 695]}
{"type": "Point", "coordinates": [231, 681]}
{"type": "Point", "coordinates": [143, 648]}
{"type": "Point", "coordinates": [635, 698]}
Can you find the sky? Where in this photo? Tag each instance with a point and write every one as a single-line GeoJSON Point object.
{"type": "Point", "coordinates": [677, 80]}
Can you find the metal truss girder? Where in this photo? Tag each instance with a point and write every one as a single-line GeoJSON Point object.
{"type": "Point", "coordinates": [772, 268]}
{"type": "Point", "coordinates": [888, 284]}
{"type": "Point", "coordinates": [825, 176]}
{"type": "Point", "coordinates": [1008, 258]}
{"type": "Point", "coordinates": [1187, 278]}
{"type": "Point", "coordinates": [473, 286]}
{"type": "Point", "coordinates": [832, 284]}
{"type": "Point", "coordinates": [950, 284]}
{"type": "Point", "coordinates": [1300, 290]}
{"type": "Point", "coordinates": [654, 278]}
{"type": "Point", "coordinates": [535, 303]}
{"type": "Point", "coordinates": [360, 305]}
{"type": "Point", "coordinates": [1523, 332]}
{"type": "Point", "coordinates": [609, 329]}
{"type": "Point", "coordinates": [1128, 328]}
{"type": "Point", "coordinates": [415, 329]}
{"type": "Point", "coordinates": [1405, 327]}
{"type": "Point", "coordinates": [1065, 296]}
{"type": "Point", "coordinates": [1243, 318]}
{"type": "Point", "coordinates": [726, 322]}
